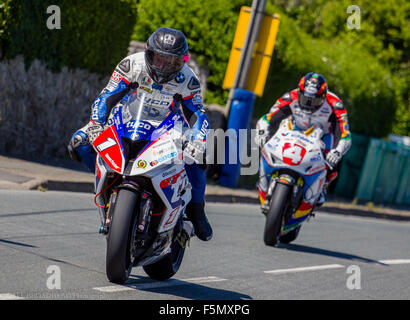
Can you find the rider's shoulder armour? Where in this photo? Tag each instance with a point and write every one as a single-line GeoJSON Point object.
{"type": "Point", "coordinates": [334, 101]}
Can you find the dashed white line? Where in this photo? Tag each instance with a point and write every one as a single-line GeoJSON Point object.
{"type": "Point", "coordinates": [395, 261]}
{"type": "Point", "coordinates": [153, 285]}
{"type": "Point", "coordinates": [177, 282]}
{"type": "Point", "coordinates": [302, 269]}
{"type": "Point", "coordinates": [9, 296]}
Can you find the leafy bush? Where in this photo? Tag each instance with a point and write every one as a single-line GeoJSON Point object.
{"type": "Point", "coordinates": [6, 18]}
{"type": "Point", "coordinates": [94, 34]}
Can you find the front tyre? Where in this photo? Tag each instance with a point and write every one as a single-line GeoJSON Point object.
{"type": "Point", "coordinates": [278, 204]}
{"type": "Point", "coordinates": [118, 260]}
{"type": "Point", "coordinates": [168, 265]}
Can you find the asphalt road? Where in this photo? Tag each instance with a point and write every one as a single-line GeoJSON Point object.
{"type": "Point", "coordinates": [44, 235]}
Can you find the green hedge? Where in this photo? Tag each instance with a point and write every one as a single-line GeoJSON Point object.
{"type": "Point", "coordinates": [94, 34]}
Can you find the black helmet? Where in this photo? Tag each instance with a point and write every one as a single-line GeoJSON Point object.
{"type": "Point", "coordinates": [312, 92]}
{"type": "Point", "coordinates": [165, 54]}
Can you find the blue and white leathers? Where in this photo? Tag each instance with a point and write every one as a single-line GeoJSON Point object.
{"type": "Point", "coordinates": [158, 101]}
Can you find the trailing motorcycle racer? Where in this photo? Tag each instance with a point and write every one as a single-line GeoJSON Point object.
{"type": "Point", "coordinates": [167, 84]}
{"type": "Point", "coordinates": [310, 104]}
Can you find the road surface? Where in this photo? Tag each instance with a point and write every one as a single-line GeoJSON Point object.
{"type": "Point", "coordinates": [50, 249]}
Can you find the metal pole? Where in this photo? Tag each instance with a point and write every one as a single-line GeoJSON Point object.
{"type": "Point", "coordinates": [241, 76]}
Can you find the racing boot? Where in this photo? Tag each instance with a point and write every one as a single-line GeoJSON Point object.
{"type": "Point", "coordinates": [322, 197]}
{"type": "Point", "coordinates": [196, 214]}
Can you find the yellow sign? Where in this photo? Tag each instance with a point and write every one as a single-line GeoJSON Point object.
{"type": "Point", "coordinates": [262, 54]}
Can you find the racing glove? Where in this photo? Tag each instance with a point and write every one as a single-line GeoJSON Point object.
{"type": "Point", "coordinates": [194, 151]}
{"type": "Point", "coordinates": [333, 157]}
{"type": "Point", "coordinates": [93, 130]}
{"type": "Point", "coordinates": [262, 133]}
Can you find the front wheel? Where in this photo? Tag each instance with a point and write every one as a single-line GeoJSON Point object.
{"type": "Point", "coordinates": [168, 265]}
{"type": "Point", "coordinates": [278, 204]}
{"type": "Point", "coordinates": [118, 260]}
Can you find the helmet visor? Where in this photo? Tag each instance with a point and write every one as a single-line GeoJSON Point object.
{"type": "Point", "coordinates": [164, 64]}
{"type": "Point", "coordinates": [309, 103]}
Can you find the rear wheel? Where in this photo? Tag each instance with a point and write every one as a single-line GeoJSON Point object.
{"type": "Point", "coordinates": [290, 236]}
{"type": "Point", "coordinates": [168, 265]}
{"type": "Point", "coordinates": [278, 204]}
{"type": "Point", "coordinates": [119, 260]}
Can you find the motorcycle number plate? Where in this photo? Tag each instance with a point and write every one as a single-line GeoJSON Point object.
{"type": "Point", "coordinates": [293, 153]}
{"type": "Point", "coordinates": [108, 146]}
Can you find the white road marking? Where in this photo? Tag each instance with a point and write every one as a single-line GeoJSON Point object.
{"type": "Point", "coordinates": [9, 296]}
{"type": "Point", "coordinates": [395, 261]}
{"type": "Point", "coordinates": [302, 269]}
{"type": "Point", "coordinates": [153, 285]}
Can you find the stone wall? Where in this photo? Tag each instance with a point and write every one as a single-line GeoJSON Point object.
{"type": "Point", "coordinates": [40, 110]}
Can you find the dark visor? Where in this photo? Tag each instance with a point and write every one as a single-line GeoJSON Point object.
{"type": "Point", "coordinates": [164, 63]}
{"type": "Point", "coordinates": [310, 103]}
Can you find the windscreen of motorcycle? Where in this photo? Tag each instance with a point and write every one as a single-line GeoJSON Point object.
{"type": "Point", "coordinates": [138, 118]}
{"type": "Point", "coordinates": [149, 105]}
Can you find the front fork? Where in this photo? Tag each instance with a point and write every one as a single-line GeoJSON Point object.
{"type": "Point", "coordinates": [296, 195]}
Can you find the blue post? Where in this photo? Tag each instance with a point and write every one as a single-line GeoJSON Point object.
{"type": "Point", "coordinates": [239, 117]}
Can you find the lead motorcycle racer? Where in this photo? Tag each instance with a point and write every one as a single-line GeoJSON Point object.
{"type": "Point", "coordinates": [310, 104]}
{"type": "Point", "coordinates": [161, 71]}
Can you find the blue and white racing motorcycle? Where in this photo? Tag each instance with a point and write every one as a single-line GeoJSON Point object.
{"type": "Point", "coordinates": [142, 190]}
{"type": "Point", "coordinates": [294, 164]}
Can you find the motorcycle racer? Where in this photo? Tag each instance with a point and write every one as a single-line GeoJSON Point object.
{"type": "Point", "coordinates": [310, 104]}
{"type": "Point", "coordinates": [167, 84]}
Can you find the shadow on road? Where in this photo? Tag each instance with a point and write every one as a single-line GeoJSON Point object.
{"type": "Point", "coordinates": [183, 289]}
{"type": "Point", "coordinates": [335, 254]}
{"type": "Point", "coordinates": [17, 243]}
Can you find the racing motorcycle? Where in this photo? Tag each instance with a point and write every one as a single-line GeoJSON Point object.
{"type": "Point", "coordinates": [142, 190]}
{"type": "Point", "coordinates": [296, 167]}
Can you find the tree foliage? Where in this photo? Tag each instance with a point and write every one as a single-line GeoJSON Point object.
{"type": "Point", "coordinates": [94, 34]}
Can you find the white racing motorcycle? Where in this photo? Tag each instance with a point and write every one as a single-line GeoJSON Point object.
{"type": "Point", "coordinates": [295, 165]}
{"type": "Point", "coordinates": [142, 190]}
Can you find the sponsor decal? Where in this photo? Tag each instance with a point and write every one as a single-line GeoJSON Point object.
{"type": "Point", "coordinates": [167, 157]}
{"type": "Point", "coordinates": [116, 77]}
{"type": "Point", "coordinates": [338, 105]}
{"type": "Point", "coordinates": [169, 39]}
{"type": "Point", "coordinates": [146, 89]}
{"type": "Point", "coordinates": [166, 93]}
{"type": "Point", "coordinates": [180, 77]}
{"type": "Point", "coordinates": [153, 163]}
{"type": "Point", "coordinates": [167, 173]}
{"type": "Point", "coordinates": [157, 86]}
{"type": "Point", "coordinates": [142, 164]}
{"type": "Point", "coordinates": [197, 99]}
{"type": "Point", "coordinates": [112, 161]}
{"type": "Point", "coordinates": [193, 83]}
{"type": "Point", "coordinates": [203, 131]}
{"type": "Point", "coordinates": [316, 158]}
{"type": "Point", "coordinates": [325, 110]}
{"type": "Point", "coordinates": [146, 81]}
{"type": "Point", "coordinates": [125, 65]}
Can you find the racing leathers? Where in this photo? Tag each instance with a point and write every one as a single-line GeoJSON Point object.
{"type": "Point", "coordinates": [180, 95]}
{"type": "Point", "coordinates": [331, 117]}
